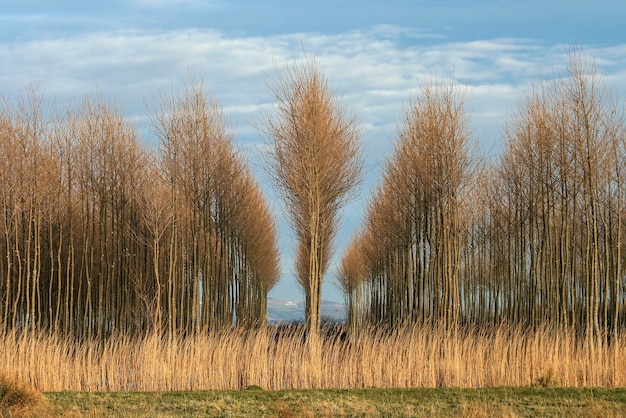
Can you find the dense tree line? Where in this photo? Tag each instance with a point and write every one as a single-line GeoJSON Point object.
{"type": "Point", "coordinates": [532, 238]}
{"type": "Point", "coordinates": [99, 235]}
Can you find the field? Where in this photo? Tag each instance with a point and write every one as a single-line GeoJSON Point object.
{"type": "Point", "coordinates": [362, 402]}
{"type": "Point", "coordinates": [424, 402]}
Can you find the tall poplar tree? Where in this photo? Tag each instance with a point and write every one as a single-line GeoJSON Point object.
{"type": "Point", "coordinates": [316, 163]}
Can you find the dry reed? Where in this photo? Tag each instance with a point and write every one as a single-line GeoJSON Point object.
{"type": "Point", "coordinates": [407, 357]}
{"type": "Point", "coordinates": [19, 401]}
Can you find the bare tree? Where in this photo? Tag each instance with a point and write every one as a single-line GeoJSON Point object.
{"type": "Point", "coordinates": [412, 238]}
{"type": "Point", "coordinates": [315, 158]}
{"type": "Point", "coordinates": [214, 270]}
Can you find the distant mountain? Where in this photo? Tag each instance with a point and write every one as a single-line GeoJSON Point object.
{"type": "Point", "coordinates": [293, 311]}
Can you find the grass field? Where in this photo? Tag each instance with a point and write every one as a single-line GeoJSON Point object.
{"type": "Point", "coordinates": [529, 401]}
{"type": "Point", "coordinates": [432, 402]}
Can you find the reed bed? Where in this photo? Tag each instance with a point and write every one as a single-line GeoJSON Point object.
{"type": "Point", "coordinates": [413, 356]}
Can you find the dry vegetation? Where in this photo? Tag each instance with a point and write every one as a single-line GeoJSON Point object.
{"type": "Point", "coordinates": [406, 357]}
{"type": "Point", "coordinates": [19, 401]}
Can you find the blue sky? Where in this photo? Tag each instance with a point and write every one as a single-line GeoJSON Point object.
{"type": "Point", "coordinates": [374, 53]}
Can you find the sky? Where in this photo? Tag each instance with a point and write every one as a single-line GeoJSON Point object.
{"type": "Point", "coordinates": [375, 54]}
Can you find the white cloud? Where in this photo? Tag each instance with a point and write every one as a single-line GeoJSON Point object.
{"type": "Point", "coordinates": [376, 71]}
{"type": "Point", "coordinates": [373, 70]}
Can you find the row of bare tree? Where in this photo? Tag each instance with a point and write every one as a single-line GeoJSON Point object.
{"type": "Point", "coordinates": [534, 237]}
{"type": "Point", "coordinates": [99, 235]}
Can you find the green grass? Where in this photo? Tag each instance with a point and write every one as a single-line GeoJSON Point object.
{"type": "Point", "coordinates": [440, 402]}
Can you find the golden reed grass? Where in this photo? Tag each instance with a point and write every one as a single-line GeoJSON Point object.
{"type": "Point", "coordinates": [407, 357]}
